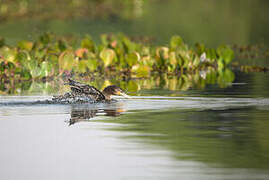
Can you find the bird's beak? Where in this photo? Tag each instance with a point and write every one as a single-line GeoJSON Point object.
{"type": "Point", "coordinates": [123, 94]}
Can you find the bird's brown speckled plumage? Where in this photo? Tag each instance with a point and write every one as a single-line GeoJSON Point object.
{"type": "Point", "coordinates": [79, 89]}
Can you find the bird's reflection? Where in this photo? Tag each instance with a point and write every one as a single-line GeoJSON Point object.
{"type": "Point", "coordinates": [85, 113]}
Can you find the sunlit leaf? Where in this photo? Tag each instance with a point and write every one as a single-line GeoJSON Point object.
{"type": "Point", "coordinates": [132, 58]}
{"type": "Point", "coordinates": [82, 66]}
{"type": "Point", "coordinates": [107, 56]}
{"type": "Point", "coordinates": [66, 61]}
{"type": "Point", "coordinates": [46, 69]}
{"type": "Point", "coordinates": [141, 70]}
{"type": "Point", "coordinates": [225, 53]}
{"type": "Point", "coordinates": [92, 64]}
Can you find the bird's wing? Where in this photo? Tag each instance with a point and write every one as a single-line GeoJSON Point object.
{"type": "Point", "coordinates": [86, 89]}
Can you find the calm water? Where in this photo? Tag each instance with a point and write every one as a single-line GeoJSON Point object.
{"type": "Point", "coordinates": [194, 134]}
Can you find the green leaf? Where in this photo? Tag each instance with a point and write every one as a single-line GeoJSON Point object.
{"type": "Point", "coordinates": [66, 61]}
{"type": "Point", "coordinates": [226, 53]}
{"type": "Point", "coordinates": [88, 43]}
{"type": "Point", "coordinates": [92, 64]}
{"type": "Point", "coordinates": [46, 38]}
{"type": "Point", "coordinates": [141, 70]}
{"type": "Point", "coordinates": [25, 74]}
{"type": "Point", "coordinates": [132, 58]}
{"type": "Point", "coordinates": [128, 44]}
{"type": "Point", "coordinates": [107, 55]}
{"type": "Point", "coordinates": [200, 48]}
{"type": "Point", "coordinates": [62, 45]}
{"type": "Point", "coordinates": [220, 65]}
{"type": "Point", "coordinates": [82, 66]}
{"type": "Point", "coordinates": [46, 69]}
{"type": "Point", "coordinates": [23, 57]}
{"type": "Point", "coordinates": [9, 54]}
{"type": "Point", "coordinates": [211, 54]}
{"type": "Point", "coordinates": [34, 68]}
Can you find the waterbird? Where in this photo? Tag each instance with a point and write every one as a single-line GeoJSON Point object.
{"type": "Point", "coordinates": [83, 93]}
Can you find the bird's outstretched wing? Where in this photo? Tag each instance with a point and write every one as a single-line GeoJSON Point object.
{"type": "Point", "coordinates": [79, 88]}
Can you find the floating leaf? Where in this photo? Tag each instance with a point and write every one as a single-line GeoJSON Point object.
{"type": "Point", "coordinates": [88, 43]}
{"type": "Point", "coordinates": [132, 58]}
{"type": "Point", "coordinates": [141, 70]}
{"type": "Point", "coordinates": [107, 55]}
{"type": "Point", "coordinates": [66, 61]}
{"type": "Point", "coordinates": [211, 55]}
{"type": "Point", "coordinates": [92, 64]}
{"type": "Point", "coordinates": [82, 66]}
{"type": "Point", "coordinates": [225, 53]}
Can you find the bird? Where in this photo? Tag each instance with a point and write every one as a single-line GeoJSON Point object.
{"type": "Point", "coordinates": [81, 93]}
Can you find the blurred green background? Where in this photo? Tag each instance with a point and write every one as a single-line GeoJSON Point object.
{"type": "Point", "coordinates": [210, 22]}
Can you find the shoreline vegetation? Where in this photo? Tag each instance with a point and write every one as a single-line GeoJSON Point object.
{"type": "Point", "coordinates": [51, 56]}
{"type": "Point", "coordinates": [117, 55]}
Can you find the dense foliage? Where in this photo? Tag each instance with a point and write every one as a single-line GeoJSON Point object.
{"type": "Point", "coordinates": [53, 56]}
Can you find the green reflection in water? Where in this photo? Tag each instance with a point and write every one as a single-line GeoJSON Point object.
{"type": "Point", "coordinates": [156, 84]}
{"type": "Point", "coordinates": [236, 138]}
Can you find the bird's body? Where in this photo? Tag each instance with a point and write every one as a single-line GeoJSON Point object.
{"type": "Point", "coordinates": [79, 89]}
{"type": "Point", "coordinates": [84, 93]}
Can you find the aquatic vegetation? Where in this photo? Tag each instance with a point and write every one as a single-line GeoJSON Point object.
{"type": "Point", "coordinates": [53, 56]}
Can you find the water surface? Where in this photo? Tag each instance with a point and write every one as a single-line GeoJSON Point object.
{"type": "Point", "coordinates": [147, 137]}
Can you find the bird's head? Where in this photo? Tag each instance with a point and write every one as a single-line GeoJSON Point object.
{"type": "Point", "coordinates": [114, 90]}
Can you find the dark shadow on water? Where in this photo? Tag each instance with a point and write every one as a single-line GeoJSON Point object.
{"type": "Point", "coordinates": [84, 113]}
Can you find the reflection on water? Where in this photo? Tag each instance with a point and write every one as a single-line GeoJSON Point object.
{"type": "Point", "coordinates": [230, 137]}
{"type": "Point", "coordinates": [80, 113]}
{"type": "Point", "coordinates": [197, 79]}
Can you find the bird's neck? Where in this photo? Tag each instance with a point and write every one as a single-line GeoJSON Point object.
{"type": "Point", "coordinates": [107, 95]}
